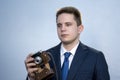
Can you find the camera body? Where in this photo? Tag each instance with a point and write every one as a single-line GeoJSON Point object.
{"type": "Point", "coordinates": [41, 60]}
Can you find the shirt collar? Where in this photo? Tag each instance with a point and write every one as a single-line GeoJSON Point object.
{"type": "Point", "coordinates": [63, 50]}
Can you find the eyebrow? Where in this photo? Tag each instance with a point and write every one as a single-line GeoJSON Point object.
{"type": "Point", "coordinates": [65, 22]}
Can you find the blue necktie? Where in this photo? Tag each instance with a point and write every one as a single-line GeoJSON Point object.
{"type": "Point", "coordinates": [65, 66]}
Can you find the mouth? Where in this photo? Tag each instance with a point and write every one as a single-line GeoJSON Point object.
{"type": "Point", "coordinates": [64, 35]}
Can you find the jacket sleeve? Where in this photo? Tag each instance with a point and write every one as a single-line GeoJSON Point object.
{"type": "Point", "coordinates": [101, 69]}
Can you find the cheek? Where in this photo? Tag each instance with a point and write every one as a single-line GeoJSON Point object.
{"type": "Point", "coordinates": [74, 31]}
{"type": "Point", "coordinates": [79, 31]}
{"type": "Point", "coordinates": [58, 32]}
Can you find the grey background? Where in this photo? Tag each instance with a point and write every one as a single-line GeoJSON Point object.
{"type": "Point", "coordinates": [29, 26]}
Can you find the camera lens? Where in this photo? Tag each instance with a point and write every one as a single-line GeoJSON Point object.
{"type": "Point", "coordinates": [38, 60]}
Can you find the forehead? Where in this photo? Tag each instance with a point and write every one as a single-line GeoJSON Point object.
{"type": "Point", "coordinates": [65, 17]}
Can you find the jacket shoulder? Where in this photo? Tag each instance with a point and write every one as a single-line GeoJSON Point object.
{"type": "Point", "coordinates": [92, 51]}
{"type": "Point", "coordinates": [54, 49]}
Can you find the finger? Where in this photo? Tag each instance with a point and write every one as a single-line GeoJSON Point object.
{"type": "Point", "coordinates": [30, 65]}
{"type": "Point", "coordinates": [28, 60]}
{"type": "Point", "coordinates": [31, 76]}
{"type": "Point", "coordinates": [32, 70]}
{"type": "Point", "coordinates": [30, 55]}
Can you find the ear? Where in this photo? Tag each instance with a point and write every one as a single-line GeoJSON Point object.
{"type": "Point", "coordinates": [80, 28]}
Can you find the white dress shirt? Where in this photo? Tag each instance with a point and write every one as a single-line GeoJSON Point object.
{"type": "Point", "coordinates": [72, 51]}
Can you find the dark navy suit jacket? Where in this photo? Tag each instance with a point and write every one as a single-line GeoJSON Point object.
{"type": "Point", "coordinates": [87, 64]}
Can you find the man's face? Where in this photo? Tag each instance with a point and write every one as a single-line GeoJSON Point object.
{"type": "Point", "coordinates": [67, 28]}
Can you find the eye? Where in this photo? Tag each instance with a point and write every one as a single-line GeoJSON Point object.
{"type": "Point", "coordinates": [59, 25]}
{"type": "Point", "coordinates": [68, 24]}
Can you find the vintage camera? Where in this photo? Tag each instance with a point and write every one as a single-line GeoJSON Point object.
{"type": "Point", "coordinates": [42, 63]}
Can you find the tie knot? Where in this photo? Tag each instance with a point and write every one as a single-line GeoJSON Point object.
{"type": "Point", "coordinates": [67, 54]}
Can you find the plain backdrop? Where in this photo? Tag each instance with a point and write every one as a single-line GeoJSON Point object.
{"type": "Point", "coordinates": [30, 25]}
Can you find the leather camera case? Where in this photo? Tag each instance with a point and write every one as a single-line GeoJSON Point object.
{"type": "Point", "coordinates": [44, 71]}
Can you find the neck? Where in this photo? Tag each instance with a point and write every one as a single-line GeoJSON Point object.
{"type": "Point", "coordinates": [70, 46]}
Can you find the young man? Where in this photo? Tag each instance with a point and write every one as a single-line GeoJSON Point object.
{"type": "Point", "coordinates": [83, 62]}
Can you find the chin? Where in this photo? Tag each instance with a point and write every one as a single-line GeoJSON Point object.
{"type": "Point", "coordinates": [66, 42]}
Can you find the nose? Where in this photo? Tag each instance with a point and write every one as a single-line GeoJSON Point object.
{"type": "Point", "coordinates": [63, 28]}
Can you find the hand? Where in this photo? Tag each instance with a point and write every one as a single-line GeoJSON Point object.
{"type": "Point", "coordinates": [30, 66]}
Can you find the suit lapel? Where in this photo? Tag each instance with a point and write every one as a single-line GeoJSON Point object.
{"type": "Point", "coordinates": [77, 61]}
{"type": "Point", "coordinates": [56, 54]}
